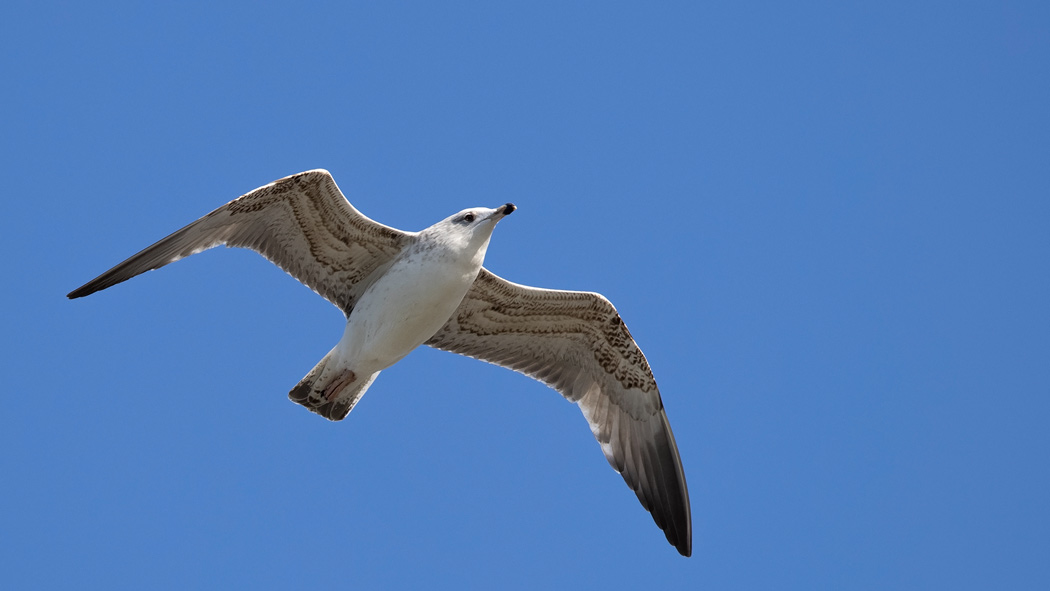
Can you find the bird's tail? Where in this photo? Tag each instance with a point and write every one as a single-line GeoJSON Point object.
{"type": "Point", "coordinates": [330, 391]}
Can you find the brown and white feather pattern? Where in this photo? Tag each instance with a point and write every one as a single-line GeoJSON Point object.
{"type": "Point", "coordinates": [572, 341]}
{"type": "Point", "coordinates": [301, 223]}
{"type": "Point", "coordinates": [576, 343]}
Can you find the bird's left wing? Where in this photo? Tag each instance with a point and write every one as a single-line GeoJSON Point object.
{"type": "Point", "coordinates": [576, 343]}
{"type": "Point", "coordinates": [301, 223]}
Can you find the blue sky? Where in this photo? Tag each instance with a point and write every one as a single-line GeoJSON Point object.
{"type": "Point", "coordinates": [826, 224]}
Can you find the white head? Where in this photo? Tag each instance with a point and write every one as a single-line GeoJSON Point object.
{"type": "Point", "coordinates": [468, 230]}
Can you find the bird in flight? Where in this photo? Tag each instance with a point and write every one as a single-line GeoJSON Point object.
{"type": "Point", "coordinates": [400, 290]}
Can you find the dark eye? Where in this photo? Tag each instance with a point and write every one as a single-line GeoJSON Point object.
{"type": "Point", "coordinates": [469, 218]}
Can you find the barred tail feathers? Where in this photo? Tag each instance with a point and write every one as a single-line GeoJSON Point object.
{"type": "Point", "coordinates": [330, 391]}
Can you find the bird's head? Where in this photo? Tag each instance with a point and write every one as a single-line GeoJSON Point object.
{"type": "Point", "coordinates": [469, 229]}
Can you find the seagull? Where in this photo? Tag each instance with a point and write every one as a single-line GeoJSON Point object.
{"type": "Point", "coordinates": [400, 290]}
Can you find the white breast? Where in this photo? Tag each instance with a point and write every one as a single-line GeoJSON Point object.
{"type": "Point", "coordinates": [403, 309]}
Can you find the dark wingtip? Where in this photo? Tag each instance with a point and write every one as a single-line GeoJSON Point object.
{"type": "Point", "coordinates": [680, 534]}
{"type": "Point", "coordinates": [685, 548]}
{"type": "Point", "coordinates": [87, 289]}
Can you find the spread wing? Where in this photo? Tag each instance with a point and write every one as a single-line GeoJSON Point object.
{"type": "Point", "coordinates": [301, 223]}
{"type": "Point", "coordinates": [576, 343]}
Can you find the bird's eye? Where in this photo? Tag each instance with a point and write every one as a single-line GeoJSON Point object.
{"type": "Point", "coordinates": [469, 218]}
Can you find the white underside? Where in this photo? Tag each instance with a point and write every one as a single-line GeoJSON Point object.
{"type": "Point", "coordinates": [400, 311]}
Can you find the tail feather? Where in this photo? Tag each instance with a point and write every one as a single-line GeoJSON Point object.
{"type": "Point", "coordinates": [329, 391]}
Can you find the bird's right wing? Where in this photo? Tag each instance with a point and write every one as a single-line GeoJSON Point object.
{"type": "Point", "coordinates": [301, 223]}
{"type": "Point", "coordinates": [576, 343]}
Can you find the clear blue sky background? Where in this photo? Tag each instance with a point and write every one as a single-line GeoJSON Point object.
{"type": "Point", "coordinates": [827, 224]}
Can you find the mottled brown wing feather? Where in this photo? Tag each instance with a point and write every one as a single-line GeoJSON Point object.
{"type": "Point", "coordinates": [576, 343]}
{"type": "Point", "coordinates": [301, 223]}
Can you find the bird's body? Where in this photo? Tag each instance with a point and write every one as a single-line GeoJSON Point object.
{"type": "Point", "coordinates": [394, 316]}
{"type": "Point", "coordinates": [401, 289]}
{"type": "Point", "coordinates": [404, 305]}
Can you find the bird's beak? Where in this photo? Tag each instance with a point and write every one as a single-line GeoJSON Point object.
{"type": "Point", "coordinates": [505, 210]}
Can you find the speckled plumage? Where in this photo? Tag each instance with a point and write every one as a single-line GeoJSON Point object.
{"type": "Point", "coordinates": [574, 342]}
